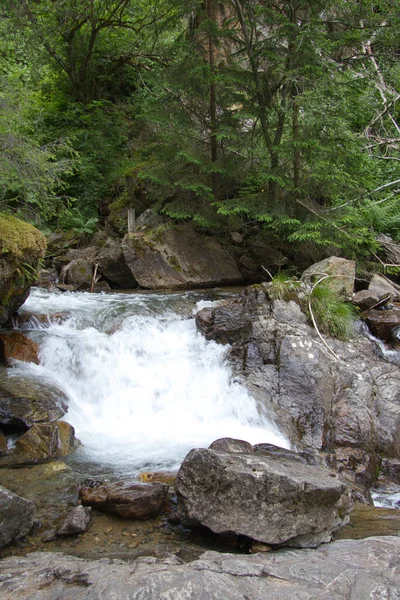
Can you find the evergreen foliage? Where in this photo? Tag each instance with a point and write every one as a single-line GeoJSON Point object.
{"type": "Point", "coordinates": [280, 114]}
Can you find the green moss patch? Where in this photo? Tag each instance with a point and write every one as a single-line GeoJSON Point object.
{"type": "Point", "coordinates": [16, 237]}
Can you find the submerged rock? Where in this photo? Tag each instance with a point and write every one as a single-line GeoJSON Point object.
{"type": "Point", "coordinates": [127, 500]}
{"type": "Point", "coordinates": [274, 500]}
{"type": "Point", "coordinates": [177, 257]}
{"type": "Point", "coordinates": [16, 517]}
{"type": "Point", "coordinates": [338, 571]}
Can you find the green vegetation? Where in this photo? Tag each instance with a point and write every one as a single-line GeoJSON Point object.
{"type": "Point", "coordinates": [332, 315]}
{"type": "Point", "coordinates": [280, 116]}
{"type": "Point", "coordinates": [16, 237]}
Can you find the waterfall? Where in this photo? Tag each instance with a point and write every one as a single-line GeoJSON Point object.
{"type": "Point", "coordinates": [144, 386]}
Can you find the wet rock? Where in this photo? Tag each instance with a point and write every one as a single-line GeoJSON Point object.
{"type": "Point", "coordinates": [3, 444]}
{"type": "Point", "coordinates": [306, 457]}
{"type": "Point", "coordinates": [382, 323]}
{"type": "Point", "coordinates": [230, 323]}
{"type": "Point", "coordinates": [17, 346]}
{"type": "Point", "coordinates": [127, 500]}
{"type": "Point", "coordinates": [342, 274]}
{"type": "Point", "coordinates": [21, 248]}
{"type": "Point", "coordinates": [168, 477]}
{"type": "Point", "coordinates": [43, 442]}
{"type": "Point", "coordinates": [231, 445]}
{"type": "Point", "coordinates": [113, 267]}
{"type": "Point", "coordinates": [341, 570]}
{"type": "Point", "coordinates": [17, 517]}
{"type": "Point", "coordinates": [271, 500]}
{"type": "Point", "coordinates": [78, 273]}
{"type": "Point", "coordinates": [29, 320]}
{"type": "Point", "coordinates": [63, 287]}
{"type": "Point", "coordinates": [24, 401]}
{"type": "Point", "coordinates": [177, 257]}
{"type": "Point", "coordinates": [77, 520]}
{"type": "Point", "coordinates": [356, 464]}
{"type": "Point", "coordinates": [318, 401]}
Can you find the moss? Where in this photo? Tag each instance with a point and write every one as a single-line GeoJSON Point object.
{"type": "Point", "coordinates": [16, 237]}
{"type": "Point", "coordinates": [173, 261]}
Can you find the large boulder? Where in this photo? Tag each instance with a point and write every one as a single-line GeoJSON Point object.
{"type": "Point", "coordinates": [343, 570]}
{"type": "Point", "coordinates": [177, 257]}
{"type": "Point", "coordinates": [275, 500]}
{"type": "Point", "coordinates": [24, 402]}
{"type": "Point", "coordinates": [17, 516]}
{"type": "Point", "coordinates": [21, 248]}
{"type": "Point", "coordinates": [341, 275]}
{"type": "Point", "coordinates": [127, 500]}
{"type": "Point", "coordinates": [113, 267]}
{"type": "Point", "coordinates": [78, 273]}
{"type": "Point", "coordinates": [319, 400]}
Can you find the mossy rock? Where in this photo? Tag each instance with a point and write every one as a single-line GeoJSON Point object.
{"type": "Point", "coordinates": [21, 248]}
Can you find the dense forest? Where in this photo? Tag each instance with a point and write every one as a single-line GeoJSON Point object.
{"type": "Point", "coordinates": [235, 114]}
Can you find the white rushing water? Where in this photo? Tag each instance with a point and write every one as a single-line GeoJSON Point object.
{"type": "Point", "coordinates": [143, 386]}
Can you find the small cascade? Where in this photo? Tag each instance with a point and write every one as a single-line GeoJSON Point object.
{"type": "Point", "coordinates": [144, 386]}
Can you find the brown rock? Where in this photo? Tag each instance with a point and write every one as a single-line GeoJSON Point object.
{"type": "Point", "coordinates": [366, 299]}
{"type": "Point", "coordinates": [29, 320]}
{"type": "Point", "coordinates": [17, 346]}
{"type": "Point", "coordinates": [3, 444]}
{"type": "Point", "coordinates": [382, 323]}
{"type": "Point", "coordinates": [128, 500]}
{"type": "Point", "coordinates": [77, 520]}
{"type": "Point", "coordinates": [43, 442]}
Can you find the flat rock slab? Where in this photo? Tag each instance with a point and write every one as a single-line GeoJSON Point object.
{"type": "Point", "coordinates": [344, 570]}
{"type": "Point", "coordinates": [16, 517]}
{"type": "Point", "coordinates": [128, 500]}
{"type": "Point", "coordinates": [272, 499]}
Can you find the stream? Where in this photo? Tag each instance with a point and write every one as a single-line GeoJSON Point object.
{"type": "Point", "coordinates": [144, 386]}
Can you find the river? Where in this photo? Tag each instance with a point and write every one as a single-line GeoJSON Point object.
{"type": "Point", "coordinates": [144, 387]}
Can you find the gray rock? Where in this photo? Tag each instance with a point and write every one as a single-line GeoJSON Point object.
{"type": "Point", "coordinates": [381, 287]}
{"type": "Point", "coordinates": [24, 402]}
{"type": "Point", "coordinates": [113, 267]}
{"type": "Point", "coordinates": [127, 500]}
{"type": "Point", "coordinates": [78, 273]}
{"type": "Point", "coordinates": [319, 402]}
{"type": "Point", "coordinates": [342, 274]}
{"type": "Point", "coordinates": [17, 516]}
{"type": "Point", "coordinates": [150, 220]}
{"type": "Point", "coordinates": [177, 257]}
{"type": "Point", "coordinates": [231, 445]}
{"type": "Point", "coordinates": [76, 521]}
{"type": "Point", "coordinates": [343, 570]}
{"type": "Point", "coordinates": [365, 299]}
{"type": "Point", "coordinates": [272, 500]}
{"type": "Point", "coordinates": [224, 326]}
